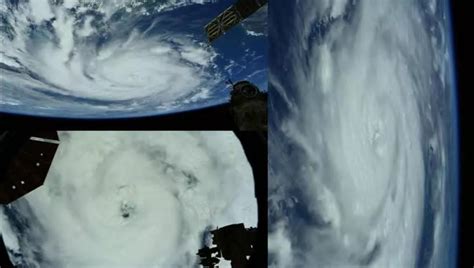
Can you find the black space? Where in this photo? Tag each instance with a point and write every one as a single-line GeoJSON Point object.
{"type": "Point", "coordinates": [462, 31]}
{"type": "Point", "coordinates": [4, 259]}
{"type": "Point", "coordinates": [212, 118]}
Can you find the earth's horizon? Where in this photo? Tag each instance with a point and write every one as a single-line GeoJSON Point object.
{"type": "Point", "coordinates": [87, 59]}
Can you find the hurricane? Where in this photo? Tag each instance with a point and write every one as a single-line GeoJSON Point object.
{"type": "Point", "coordinates": [363, 137]}
{"type": "Point", "coordinates": [120, 58]}
{"type": "Point", "coordinates": [131, 199]}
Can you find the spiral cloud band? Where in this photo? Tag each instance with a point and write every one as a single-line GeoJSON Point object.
{"type": "Point", "coordinates": [131, 199]}
{"type": "Point", "coordinates": [92, 57]}
{"type": "Point", "coordinates": [357, 147]}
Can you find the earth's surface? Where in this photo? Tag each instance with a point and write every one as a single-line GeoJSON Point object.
{"type": "Point", "coordinates": [122, 58]}
{"type": "Point", "coordinates": [131, 199]}
{"type": "Point", "coordinates": [363, 134]}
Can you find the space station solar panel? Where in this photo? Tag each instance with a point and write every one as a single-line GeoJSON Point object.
{"type": "Point", "coordinates": [222, 23]}
{"type": "Point", "coordinates": [231, 17]}
{"type": "Point", "coordinates": [28, 165]}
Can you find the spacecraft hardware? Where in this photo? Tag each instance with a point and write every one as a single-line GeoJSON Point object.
{"type": "Point", "coordinates": [25, 159]}
{"type": "Point", "coordinates": [248, 106]}
{"type": "Point", "coordinates": [233, 242]}
{"type": "Point", "coordinates": [232, 16]}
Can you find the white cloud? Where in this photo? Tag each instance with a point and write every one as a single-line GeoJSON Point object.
{"type": "Point", "coordinates": [124, 68]}
{"type": "Point", "coordinates": [351, 145]}
{"type": "Point", "coordinates": [41, 10]}
{"type": "Point", "coordinates": [279, 244]}
{"type": "Point", "coordinates": [172, 184]}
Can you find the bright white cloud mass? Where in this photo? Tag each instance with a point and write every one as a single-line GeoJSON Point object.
{"type": "Point", "coordinates": [122, 58]}
{"type": "Point", "coordinates": [132, 66]}
{"type": "Point", "coordinates": [100, 51]}
{"type": "Point", "coordinates": [131, 199]}
{"type": "Point", "coordinates": [348, 148]}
